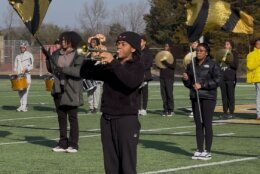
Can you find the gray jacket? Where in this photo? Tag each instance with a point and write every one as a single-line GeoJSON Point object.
{"type": "Point", "coordinates": [71, 94]}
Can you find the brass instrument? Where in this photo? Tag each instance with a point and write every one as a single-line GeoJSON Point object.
{"type": "Point", "coordinates": [188, 57]}
{"type": "Point", "coordinates": [84, 50]}
{"type": "Point", "coordinates": [163, 55]}
{"type": "Point", "coordinates": [224, 55]}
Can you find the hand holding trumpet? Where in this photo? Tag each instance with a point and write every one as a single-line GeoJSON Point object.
{"type": "Point", "coordinates": [106, 57]}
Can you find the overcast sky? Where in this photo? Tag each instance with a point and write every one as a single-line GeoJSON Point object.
{"type": "Point", "coordinates": [64, 12]}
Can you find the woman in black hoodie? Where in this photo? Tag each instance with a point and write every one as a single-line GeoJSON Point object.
{"type": "Point", "coordinates": [120, 101]}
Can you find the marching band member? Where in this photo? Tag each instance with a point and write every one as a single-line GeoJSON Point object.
{"type": "Point", "coordinates": [208, 78]}
{"type": "Point", "coordinates": [94, 94]}
{"type": "Point", "coordinates": [120, 126]}
{"type": "Point", "coordinates": [147, 59]}
{"type": "Point", "coordinates": [228, 84]}
{"type": "Point", "coordinates": [166, 84]}
{"type": "Point", "coordinates": [23, 64]}
{"type": "Point", "coordinates": [67, 90]}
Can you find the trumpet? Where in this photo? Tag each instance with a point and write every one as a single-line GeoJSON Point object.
{"type": "Point", "coordinates": [84, 50]}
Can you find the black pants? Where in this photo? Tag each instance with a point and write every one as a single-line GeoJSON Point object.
{"type": "Point", "coordinates": [228, 96]}
{"type": "Point", "coordinates": [144, 98]}
{"type": "Point", "coordinates": [203, 129]}
{"type": "Point", "coordinates": [166, 86]}
{"type": "Point", "coordinates": [119, 140]}
{"type": "Point", "coordinates": [72, 112]}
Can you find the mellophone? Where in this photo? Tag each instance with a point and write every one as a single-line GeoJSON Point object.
{"type": "Point", "coordinates": [19, 82]}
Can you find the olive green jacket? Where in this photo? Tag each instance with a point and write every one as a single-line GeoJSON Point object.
{"type": "Point", "coordinates": [71, 93]}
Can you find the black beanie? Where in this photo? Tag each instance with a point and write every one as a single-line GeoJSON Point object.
{"type": "Point", "coordinates": [133, 39]}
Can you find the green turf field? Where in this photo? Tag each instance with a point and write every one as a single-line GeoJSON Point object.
{"type": "Point", "coordinates": [166, 143]}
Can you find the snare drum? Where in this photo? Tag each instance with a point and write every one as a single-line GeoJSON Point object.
{"type": "Point", "coordinates": [19, 82]}
{"type": "Point", "coordinates": [89, 84]}
{"type": "Point", "coordinates": [49, 80]}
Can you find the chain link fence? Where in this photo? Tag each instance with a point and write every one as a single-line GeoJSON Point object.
{"type": "Point", "coordinates": [9, 49]}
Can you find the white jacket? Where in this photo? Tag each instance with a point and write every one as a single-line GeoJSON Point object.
{"type": "Point", "coordinates": [23, 61]}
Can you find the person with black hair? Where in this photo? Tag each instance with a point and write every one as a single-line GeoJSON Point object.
{"type": "Point", "coordinates": [65, 64]}
{"type": "Point", "coordinates": [122, 77]}
{"type": "Point", "coordinates": [228, 84]}
{"type": "Point", "coordinates": [94, 92]}
{"type": "Point", "coordinates": [203, 95]}
{"type": "Point", "coordinates": [166, 83]}
{"type": "Point", "coordinates": [147, 59]}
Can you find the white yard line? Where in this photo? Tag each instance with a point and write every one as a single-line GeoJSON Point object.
{"type": "Point", "coordinates": [55, 139]}
{"type": "Point", "coordinates": [202, 165]}
{"type": "Point", "coordinates": [224, 134]}
{"type": "Point", "coordinates": [180, 133]}
{"type": "Point", "coordinates": [28, 118]}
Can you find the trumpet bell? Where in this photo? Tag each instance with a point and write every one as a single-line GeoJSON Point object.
{"type": "Point", "coordinates": [163, 55]}
{"type": "Point", "coordinates": [187, 59]}
{"type": "Point", "coordinates": [224, 55]}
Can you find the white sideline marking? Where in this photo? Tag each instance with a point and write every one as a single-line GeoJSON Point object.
{"type": "Point", "coordinates": [226, 134]}
{"type": "Point", "coordinates": [180, 133]}
{"type": "Point", "coordinates": [202, 165]}
{"type": "Point", "coordinates": [28, 118]}
{"type": "Point", "coordinates": [24, 142]}
{"type": "Point", "coordinates": [181, 127]}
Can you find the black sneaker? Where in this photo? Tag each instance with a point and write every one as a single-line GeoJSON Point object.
{"type": "Point", "coordinates": [230, 116]}
{"type": "Point", "coordinates": [93, 111]}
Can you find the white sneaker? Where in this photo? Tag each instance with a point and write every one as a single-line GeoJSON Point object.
{"type": "Point", "coordinates": [170, 114]}
{"type": "Point", "coordinates": [58, 149]}
{"type": "Point", "coordinates": [196, 155]}
{"type": "Point", "coordinates": [205, 155]}
{"type": "Point", "coordinates": [143, 112]}
{"type": "Point", "coordinates": [71, 150]}
{"type": "Point", "coordinates": [19, 109]}
{"type": "Point", "coordinates": [24, 109]}
{"type": "Point", "coordinates": [191, 115]}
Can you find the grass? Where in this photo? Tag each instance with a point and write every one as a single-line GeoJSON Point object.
{"type": "Point", "coordinates": [26, 139]}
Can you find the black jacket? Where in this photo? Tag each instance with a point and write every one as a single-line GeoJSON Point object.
{"type": "Point", "coordinates": [168, 72]}
{"type": "Point", "coordinates": [121, 92]}
{"type": "Point", "coordinates": [229, 68]}
{"type": "Point", "coordinates": [208, 74]}
{"type": "Point", "coordinates": [147, 60]}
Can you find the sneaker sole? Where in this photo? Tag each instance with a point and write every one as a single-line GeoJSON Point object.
{"type": "Point", "coordinates": [204, 158]}
{"type": "Point", "coordinates": [195, 157]}
{"type": "Point", "coordinates": [59, 150]}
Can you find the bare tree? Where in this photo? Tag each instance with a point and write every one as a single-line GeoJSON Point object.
{"type": "Point", "coordinates": [92, 16]}
{"type": "Point", "coordinates": [10, 19]}
{"type": "Point", "coordinates": [131, 15]}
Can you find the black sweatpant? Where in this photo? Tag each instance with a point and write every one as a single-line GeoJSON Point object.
{"type": "Point", "coordinates": [144, 98]}
{"type": "Point", "coordinates": [203, 129]}
{"type": "Point", "coordinates": [228, 96]}
{"type": "Point", "coordinates": [166, 86]}
{"type": "Point", "coordinates": [64, 112]}
{"type": "Point", "coordinates": [119, 140]}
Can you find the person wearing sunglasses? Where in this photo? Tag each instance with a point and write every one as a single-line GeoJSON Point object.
{"type": "Point", "coordinates": [203, 77]}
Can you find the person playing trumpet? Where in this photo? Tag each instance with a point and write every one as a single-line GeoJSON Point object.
{"type": "Point", "coordinates": [228, 84]}
{"type": "Point", "coordinates": [94, 94]}
{"type": "Point", "coordinates": [119, 122]}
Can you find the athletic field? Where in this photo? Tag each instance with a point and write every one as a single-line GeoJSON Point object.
{"type": "Point", "coordinates": [166, 143]}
